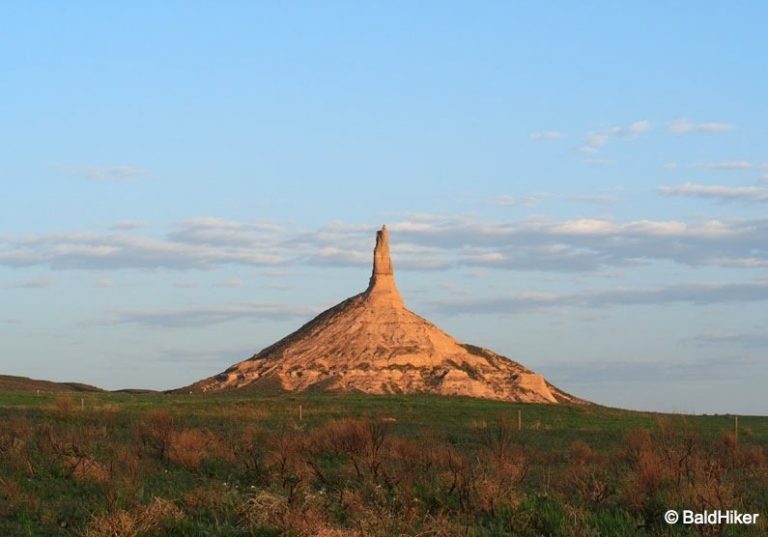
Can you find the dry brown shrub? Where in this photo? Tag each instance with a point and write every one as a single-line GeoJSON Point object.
{"type": "Point", "coordinates": [251, 451]}
{"type": "Point", "coordinates": [344, 437]}
{"type": "Point", "coordinates": [187, 448]}
{"type": "Point", "coordinates": [9, 492]}
{"type": "Point", "coordinates": [126, 461]}
{"type": "Point", "coordinates": [155, 430]}
{"type": "Point", "coordinates": [582, 453]}
{"type": "Point", "coordinates": [635, 442]}
{"type": "Point", "coordinates": [650, 471]}
{"type": "Point", "coordinates": [85, 468]}
{"type": "Point", "coordinates": [61, 406]}
{"type": "Point", "coordinates": [753, 457]}
{"type": "Point", "coordinates": [108, 408]}
{"type": "Point", "coordinates": [286, 463]}
{"type": "Point", "coordinates": [363, 443]}
{"type": "Point", "coordinates": [14, 435]}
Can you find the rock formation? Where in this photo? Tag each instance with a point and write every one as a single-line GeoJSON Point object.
{"type": "Point", "coordinates": [371, 343]}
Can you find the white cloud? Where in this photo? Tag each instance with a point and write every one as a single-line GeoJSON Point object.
{"type": "Point", "coordinates": [423, 242]}
{"type": "Point", "coordinates": [547, 136]}
{"type": "Point", "coordinates": [639, 126]}
{"type": "Point", "coordinates": [684, 126]}
{"type": "Point", "coordinates": [115, 251]}
{"type": "Point", "coordinates": [589, 243]}
{"type": "Point", "coordinates": [106, 173]}
{"type": "Point", "coordinates": [718, 192]}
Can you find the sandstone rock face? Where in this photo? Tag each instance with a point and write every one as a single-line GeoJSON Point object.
{"type": "Point", "coordinates": [371, 343]}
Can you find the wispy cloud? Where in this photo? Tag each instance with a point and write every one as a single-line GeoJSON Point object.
{"type": "Point", "coordinates": [719, 192]}
{"type": "Point", "coordinates": [208, 315]}
{"type": "Point", "coordinates": [221, 357]}
{"type": "Point", "coordinates": [506, 200]}
{"type": "Point", "coordinates": [106, 173]}
{"type": "Point", "coordinates": [532, 200]}
{"type": "Point", "coordinates": [685, 126]}
{"type": "Point", "coordinates": [650, 369]}
{"type": "Point", "coordinates": [37, 283]}
{"type": "Point", "coordinates": [595, 140]}
{"type": "Point", "coordinates": [547, 136]}
{"type": "Point", "coordinates": [698, 294]}
{"type": "Point", "coordinates": [231, 284]}
{"type": "Point", "coordinates": [193, 245]}
{"type": "Point", "coordinates": [729, 165]}
{"type": "Point", "coordinates": [599, 199]}
{"type": "Point", "coordinates": [756, 340]}
{"type": "Point", "coordinates": [128, 225]}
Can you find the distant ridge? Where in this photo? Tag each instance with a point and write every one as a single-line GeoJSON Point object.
{"type": "Point", "coordinates": [24, 384]}
{"type": "Point", "coordinates": [371, 343]}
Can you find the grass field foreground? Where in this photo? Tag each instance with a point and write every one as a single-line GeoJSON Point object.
{"type": "Point", "coordinates": [111, 464]}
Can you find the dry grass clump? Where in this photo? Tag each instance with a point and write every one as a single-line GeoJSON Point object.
{"type": "Point", "coordinates": [155, 516]}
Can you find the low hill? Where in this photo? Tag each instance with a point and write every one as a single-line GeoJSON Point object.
{"type": "Point", "coordinates": [24, 384]}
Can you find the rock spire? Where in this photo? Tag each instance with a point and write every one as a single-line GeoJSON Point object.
{"type": "Point", "coordinates": [381, 287]}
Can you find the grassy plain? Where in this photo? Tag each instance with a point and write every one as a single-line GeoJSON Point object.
{"type": "Point", "coordinates": [113, 464]}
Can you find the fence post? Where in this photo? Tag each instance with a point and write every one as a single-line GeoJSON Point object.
{"type": "Point", "coordinates": [736, 429]}
{"type": "Point", "coordinates": [301, 416]}
{"type": "Point", "coordinates": [519, 420]}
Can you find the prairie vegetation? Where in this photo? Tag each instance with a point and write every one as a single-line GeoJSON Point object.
{"type": "Point", "coordinates": [117, 465]}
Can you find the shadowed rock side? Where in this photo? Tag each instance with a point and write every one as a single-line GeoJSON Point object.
{"type": "Point", "coordinates": [371, 343]}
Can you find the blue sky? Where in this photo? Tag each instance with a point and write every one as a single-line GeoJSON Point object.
{"type": "Point", "coordinates": [582, 188]}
